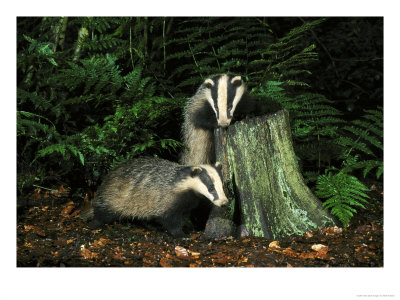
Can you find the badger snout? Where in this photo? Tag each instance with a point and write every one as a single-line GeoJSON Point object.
{"type": "Point", "coordinates": [221, 202]}
{"type": "Point", "coordinates": [223, 124]}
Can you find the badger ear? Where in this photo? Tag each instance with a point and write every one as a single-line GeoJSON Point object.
{"type": "Point", "coordinates": [218, 165]}
{"type": "Point", "coordinates": [209, 83]}
{"type": "Point", "coordinates": [195, 171]}
{"type": "Point", "coordinates": [236, 81]}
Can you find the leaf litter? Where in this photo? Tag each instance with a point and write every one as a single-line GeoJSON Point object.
{"type": "Point", "coordinates": [54, 235]}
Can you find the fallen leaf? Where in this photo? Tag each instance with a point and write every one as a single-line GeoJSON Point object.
{"type": "Point", "coordinates": [36, 195]}
{"type": "Point", "coordinates": [306, 255]}
{"type": "Point", "coordinates": [308, 234]}
{"type": "Point", "coordinates": [195, 235]}
{"type": "Point", "coordinates": [28, 245]}
{"type": "Point", "coordinates": [181, 252]}
{"type": "Point", "coordinates": [221, 260]}
{"type": "Point", "coordinates": [193, 253]}
{"type": "Point", "coordinates": [100, 242]}
{"type": "Point", "coordinates": [67, 209]}
{"type": "Point", "coordinates": [87, 254]}
{"type": "Point", "coordinates": [337, 229]}
{"type": "Point", "coordinates": [28, 227]}
{"type": "Point", "coordinates": [318, 247]}
{"type": "Point", "coordinates": [290, 252]}
{"type": "Point", "coordinates": [35, 229]}
{"type": "Point", "coordinates": [118, 253]}
{"type": "Point", "coordinates": [165, 262]}
{"type": "Point", "coordinates": [243, 260]}
{"type": "Point", "coordinates": [274, 245]}
{"type": "Point", "coordinates": [147, 262]}
{"type": "Point", "coordinates": [60, 192]}
{"type": "Point", "coordinates": [75, 213]}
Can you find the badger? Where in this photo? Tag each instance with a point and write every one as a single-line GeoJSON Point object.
{"type": "Point", "coordinates": [155, 189]}
{"type": "Point", "coordinates": [218, 99]}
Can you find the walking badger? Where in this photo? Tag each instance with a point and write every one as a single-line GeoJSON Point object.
{"type": "Point", "coordinates": [150, 188]}
{"type": "Point", "coordinates": [216, 102]}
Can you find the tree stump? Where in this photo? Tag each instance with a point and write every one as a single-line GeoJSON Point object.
{"type": "Point", "coordinates": [263, 182]}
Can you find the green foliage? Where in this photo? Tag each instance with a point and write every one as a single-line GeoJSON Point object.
{"type": "Point", "coordinates": [78, 115]}
{"type": "Point", "coordinates": [343, 194]}
{"type": "Point", "coordinates": [214, 45]}
{"type": "Point", "coordinates": [363, 143]}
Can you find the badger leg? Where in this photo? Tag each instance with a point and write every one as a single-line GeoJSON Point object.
{"type": "Point", "coordinates": [173, 224]}
{"type": "Point", "coordinates": [100, 217]}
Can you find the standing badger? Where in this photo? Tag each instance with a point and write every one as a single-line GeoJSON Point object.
{"type": "Point", "coordinates": [150, 188]}
{"type": "Point", "coordinates": [216, 102]}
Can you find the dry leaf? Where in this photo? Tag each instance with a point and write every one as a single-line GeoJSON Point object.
{"type": "Point", "coordinates": [193, 253]}
{"type": "Point", "coordinates": [181, 252]}
{"type": "Point", "coordinates": [118, 254]}
{"type": "Point", "coordinates": [195, 235]}
{"type": "Point", "coordinates": [165, 262]}
{"type": "Point", "coordinates": [290, 252]}
{"type": "Point", "coordinates": [243, 260]}
{"type": "Point", "coordinates": [36, 194]}
{"type": "Point", "coordinates": [318, 247]}
{"type": "Point", "coordinates": [87, 254]}
{"type": "Point", "coordinates": [308, 234]}
{"type": "Point", "coordinates": [67, 209]}
{"type": "Point", "coordinates": [274, 244]}
{"type": "Point", "coordinates": [337, 229]}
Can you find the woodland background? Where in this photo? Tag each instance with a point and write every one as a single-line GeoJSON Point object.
{"type": "Point", "coordinates": [95, 91]}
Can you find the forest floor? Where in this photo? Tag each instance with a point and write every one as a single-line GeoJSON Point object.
{"type": "Point", "coordinates": [52, 235]}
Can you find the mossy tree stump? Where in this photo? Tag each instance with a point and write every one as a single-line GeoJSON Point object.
{"type": "Point", "coordinates": [263, 181]}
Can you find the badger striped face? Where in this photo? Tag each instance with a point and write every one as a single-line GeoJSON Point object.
{"type": "Point", "coordinates": [223, 93]}
{"type": "Point", "coordinates": [206, 180]}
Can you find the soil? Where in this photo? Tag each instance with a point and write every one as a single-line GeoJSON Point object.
{"type": "Point", "coordinates": [53, 235]}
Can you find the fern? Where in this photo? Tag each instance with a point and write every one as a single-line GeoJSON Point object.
{"type": "Point", "coordinates": [343, 193]}
{"type": "Point", "coordinates": [215, 45]}
{"type": "Point", "coordinates": [363, 143]}
{"type": "Point", "coordinates": [314, 122]}
{"type": "Point", "coordinates": [67, 146]}
{"type": "Point", "coordinates": [96, 75]}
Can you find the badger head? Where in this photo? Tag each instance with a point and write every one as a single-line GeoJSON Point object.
{"type": "Point", "coordinates": [206, 180]}
{"type": "Point", "coordinates": [223, 93]}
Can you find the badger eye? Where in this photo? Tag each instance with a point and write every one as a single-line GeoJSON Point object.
{"type": "Point", "coordinates": [211, 189]}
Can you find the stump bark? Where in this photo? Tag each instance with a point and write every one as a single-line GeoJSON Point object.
{"type": "Point", "coordinates": [267, 192]}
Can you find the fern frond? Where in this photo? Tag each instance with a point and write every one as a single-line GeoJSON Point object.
{"type": "Point", "coordinates": [343, 193]}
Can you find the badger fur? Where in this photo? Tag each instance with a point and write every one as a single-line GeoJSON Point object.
{"type": "Point", "coordinates": [157, 189]}
{"type": "Point", "coordinates": [216, 102]}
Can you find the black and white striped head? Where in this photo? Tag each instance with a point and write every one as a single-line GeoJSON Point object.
{"type": "Point", "coordinates": [205, 180]}
{"type": "Point", "coordinates": [223, 93]}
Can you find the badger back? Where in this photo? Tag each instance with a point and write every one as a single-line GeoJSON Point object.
{"type": "Point", "coordinates": [141, 188]}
